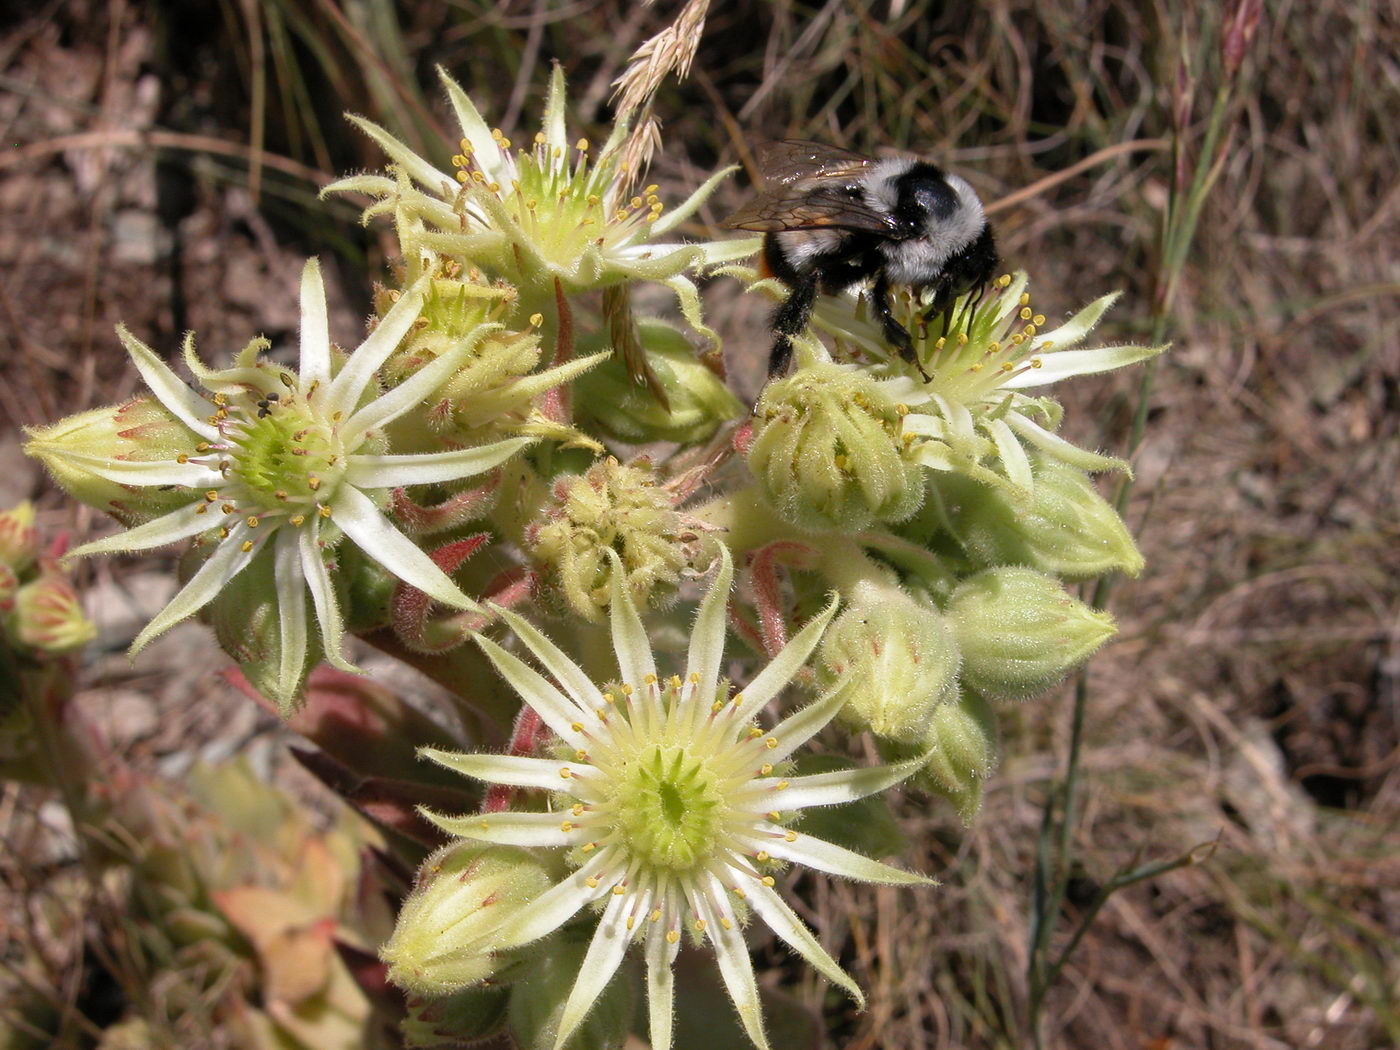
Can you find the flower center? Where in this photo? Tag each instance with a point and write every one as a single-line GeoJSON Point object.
{"type": "Point", "coordinates": [669, 808]}
{"type": "Point", "coordinates": [285, 457]}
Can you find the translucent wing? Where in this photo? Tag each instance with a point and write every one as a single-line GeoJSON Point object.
{"type": "Point", "coordinates": [792, 160]}
{"type": "Point", "coordinates": [810, 186]}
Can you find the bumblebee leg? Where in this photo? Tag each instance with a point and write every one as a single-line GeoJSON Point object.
{"type": "Point", "coordinates": [895, 333]}
{"type": "Point", "coordinates": [791, 319]}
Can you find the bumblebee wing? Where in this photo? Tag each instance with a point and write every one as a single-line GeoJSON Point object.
{"type": "Point", "coordinates": [804, 205]}
{"type": "Point", "coordinates": [793, 160]}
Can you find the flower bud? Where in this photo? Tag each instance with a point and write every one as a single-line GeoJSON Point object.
{"type": "Point", "coordinates": [442, 940]}
{"type": "Point", "coordinates": [903, 662]}
{"type": "Point", "coordinates": [623, 410]}
{"type": "Point", "coordinates": [537, 1003]}
{"type": "Point", "coordinates": [611, 506]}
{"type": "Point", "coordinates": [1067, 528]}
{"type": "Point", "coordinates": [139, 430]}
{"type": "Point", "coordinates": [828, 451]}
{"type": "Point", "coordinates": [19, 539]}
{"type": "Point", "coordinates": [961, 741]}
{"type": "Point", "coordinates": [1020, 631]}
{"type": "Point", "coordinates": [48, 615]}
{"type": "Point", "coordinates": [9, 583]}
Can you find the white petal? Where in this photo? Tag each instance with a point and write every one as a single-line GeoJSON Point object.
{"type": "Point", "coordinates": [573, 678]}
{"type": "Point", "coordinates": [182, 402]}
{"type": "Point", "coordinates": [786, 664]}
{"type": "Point", "coordinates": [168, 528]}
{"type": "Point", "coordinates": [315, 362]}
{"type": "Point", "coordinates": [783, 921]}
{"type": "Point", "coordinates": [410, 393]}
{"type": "Point", "coordinates": [515, 770]}
{"type": "Point", "coordinates": [323, 600]}
{"type": "Point", "coordinates": [556, 905]}
{"type": "Point", "coordinates": [486, 154]}
{"type": "Point", "coordinates": [707, 636]}
{"type": "Point", "coordinates": [361, 520]}
{"type": "Point", "coordinates": [358, 373]}
{"type": "Point", "coordinates": [1065, 364]}
{"type": "Point", "coordinates": [806, 722]}
{"type": "Point", "coordinates": [634, 657]}
{"type": "Point", "coordinates": [604, 956]}
{"type": "Point", "coordinates": [1058, 447]}
{"type": "Point", "coordinates": [555, 137]}
{"type": "Point", "coordinates": [1078, 326]}
{"type": "Point", "coordinates": [841, 785]}
{"type": "Point", "coordinates": [149, 473]}
{"type": "Point", "coordinates": [425, 468]}
{"type": "Point", "coordinates": [732, 955]}
{"type": "Point", "coordinates": [660, 957]}
{"type": "Point", "coordinates": [427, 175]}
{"type": "Point", "coordinates": [507, 829]}
{"type": "Point", "coordinates": [558, 711]}
{"type": "Point", "coordinates": [227, 561]}
{"type": "Point", "coordinates": [291, 613]}
{"type": "Point", "coordinates": [1013, 456]}
{"type": "Point", "coordinates": [837, 860]}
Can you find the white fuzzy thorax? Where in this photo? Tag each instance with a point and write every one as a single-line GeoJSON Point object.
{"type": "Point", "coordinates": [919, 260]}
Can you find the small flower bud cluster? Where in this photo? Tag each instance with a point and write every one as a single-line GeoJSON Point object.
{"type": "Point", "coordinates": [40, 611]}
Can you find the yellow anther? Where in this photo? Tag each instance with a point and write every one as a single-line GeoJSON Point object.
{"type": "Point", "coordinates": [940, 343]}
{"type": "Point", "coordinates": [324, 511]}
{"type": "Point", "coordinates": [485, 826]}
{"type": "Point", "coordinates": [564, 773]}
{"type": "Point", "coordinates": [280, 495]}
{"type": "Point", "coordinates": [581, 145]}
{"type": "Point", "coordinates": [726, 923]}
{"type": "Point", "coordinates": [651, 189]}
{"type": "Point", "coordinates": [650, 678]}
{"type": "Point", "coordinates": [182, 458]}
{"type": "Point", "coordinates": [771, 743]}
{"type": "Point", "coordinates": [768, 881]}
{"type": "Point", "coordinates": [539, 138]}
{"type": "Point", "coordinates": [783, 784]}
{"type": "Point", "coordinates": [462, 177]}
{"type": "Point", "coordinates": [252, 522]}
{"type": "Point", "coordinates": [608, 698]}
{"type": "Point", "coordinates": [581, 755]}
{"type": "Point", "coordinates": [791, 836]}
{"type": "Point", "coordinates": [738, 699]}
{"type": "Point", "coordinates": [1007, 366]}
{"type": "Point", "coordinates": [1038, 320]}
{"type": "Point", "coordinates": [228, 508]}
{"type": "Point", "coordinates": [247, 546]}
{"type": "Point", "coordinates": [297, 520]}
{"type": "Point", "coordinates": [577, 809]}
{"type": "Point", "coordinates": [755, 732]}
{"type": "Point", "coordinates": [566, 826]}
{"type": "Point", "coordinates": [694, 678]}
{"type": "Point", "coordinates": [589, 847]}
{"type": "Point", "coordinates": [739, 893]}
{"type": "Point", "coordinates": [313, 483]}
{"type": "Point", "coordinates": [536, 320]}
{"type": "Point", "coordinates": [699, 925]}
{"type": "Point", "coordinates": [577, 727]}
{"type": "Point", "coordinates": [765, 769]}
{"type": "Point", "coordinates": [626, 689]}
{"type": "Point", "coordinates": [675, 681]}
{"type": "Point", "coordinates": [1025, 298]}
{"type": "Point", "coordinates": [636, 202]}
{"type": "Point", "coordinates": [1004, 280]}
{"type": "Point", "coordinates": [761, 856]}
{"type": "Point", "coordinates": [655, 916]}
{"type": "Point", "coordinates": [717, 706]}
{"type": "Point", "coordinates": [619, 890]}
{"type": "Point", "coordinates": [774, 814]}
{"type": "Point", "coordinates": [631, 921]}
{"type": "Point", "coordinates": [592, 881]}
{"type": "Point", "coordinates": [1036, 362]}
{"type": "Point", "coordinates": [672, 936]}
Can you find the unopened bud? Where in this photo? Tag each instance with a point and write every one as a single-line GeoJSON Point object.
{"type": "Point", "coordinates": [828, 453]}
{"type": "Point", "coordinates": [139, 430]}
{"type": "Point", "coordinates": [961, 742]}
{"type": "Point", "coordinates": [48, 615]}
{"type": "Point", "coordinates": [611, 506]}
{"type": "Point", "coordinates": [442, 940]}
{"type": "Point", "coordinates": [902, 660]}
{"type": "Point", "coordinates": [1066, 528]}
{"type": "Point", "coordinates": [625, 411]}
{"type": "Point", "coordinates": [1020, 631]}
{"type": "Point", "coordinates": [19, 539]}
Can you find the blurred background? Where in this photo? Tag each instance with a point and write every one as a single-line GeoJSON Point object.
{"type": "Point", "coordinates": [160, 166]}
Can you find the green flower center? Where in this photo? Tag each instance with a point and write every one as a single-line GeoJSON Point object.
{"type": "Point", "coordinates": [286, 458]}
{"type": "Point", "coordinates": [669, 808]}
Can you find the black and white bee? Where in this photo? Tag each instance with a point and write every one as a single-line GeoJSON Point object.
{"type": "Point", "coordinates": [832, 218]}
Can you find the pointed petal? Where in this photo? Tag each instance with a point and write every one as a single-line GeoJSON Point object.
{"type": "Point", "coordinates": [1078, 326]}
{"type": "Point", "coordinates": [358, 373]}
{"type": "Point", "coordinates": [323, 600]}
{"type": "Point", "coordinates": [707, 636]}
{"type": "Point", "coordinates": [507, 829]}
{"type": "Point", "coordinates": [315, 362]}
{"type": "Point", "coordinates": [182, 402]}
{"type": "Point", "coordinates": [425, 468]}
{"type": "Point", "coordinates": [688, 207]}
{"type": "Point", "coordinates": [426, 175]}
{"type": "Point", "coordinates": [410, 393]}
{"type": "Point", "coordinates": [361, 520]}
{"type": "Point", "coordinates": [1013, 457]}
{"type": "Point", "coordinates": [515, 770]}
{"type": "Point", "coordinates": [841, 785]}
{"type": "Point", "coordinates": [732, 955]}
{"type": "Point", "coordinates": [1065, 364]}
{"type": "Point", "coordinates": [660, 957]}
{"type": "Point", "coordinates": [1058, 447]}
{"type": "Point", "coordinates": [558, 711]}
{"type": "Point", "coordinates": [781, 669]}
{"type": "Point", "coordinates": [370, 185]}
{"type": "Point", "coordinates": [149, 472]}
{"type": "Point", "coordinates": [634, 657]}
{"type": "Point", "coordinates": [556, 905]}
{"type": "Point", "coordinates": [169, 528]}
{"type": "Point", "coordinates": [555, 136]}
{"type": "Point", "coordinates": [486, 154]}
{"type": "Point", "coordinates": [837, 860]}
{"type": "Point", "coordinates": [783, 921]}
{"type": "Point", "coordinates": [213, 576]}
{"type": "Point", "coordinates": [807, 721]}
{"type": "Point", "coordinates": [604, 956]}
{"type": "Point", "coordinates": [291, 613]}
{"type": "Point", "coordinates": [574, 680]}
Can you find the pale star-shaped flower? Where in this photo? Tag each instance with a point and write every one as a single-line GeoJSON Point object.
{"type": "Point", "coordinates": [552, 210]}
{"type": "Point", "coordinates": [674, 805]}
{"type": "Point", "coordinates": [286, 462]}
{"type": "Point", "coordinates": [971, 415]}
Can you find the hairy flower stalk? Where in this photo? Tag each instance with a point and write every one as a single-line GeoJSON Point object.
{"type": "Point", "coordinates": [283, 464]}
{"type": "Point", "coordinates": [674, 806]}
{"type": "Point", "coordinates": [971, 416]}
